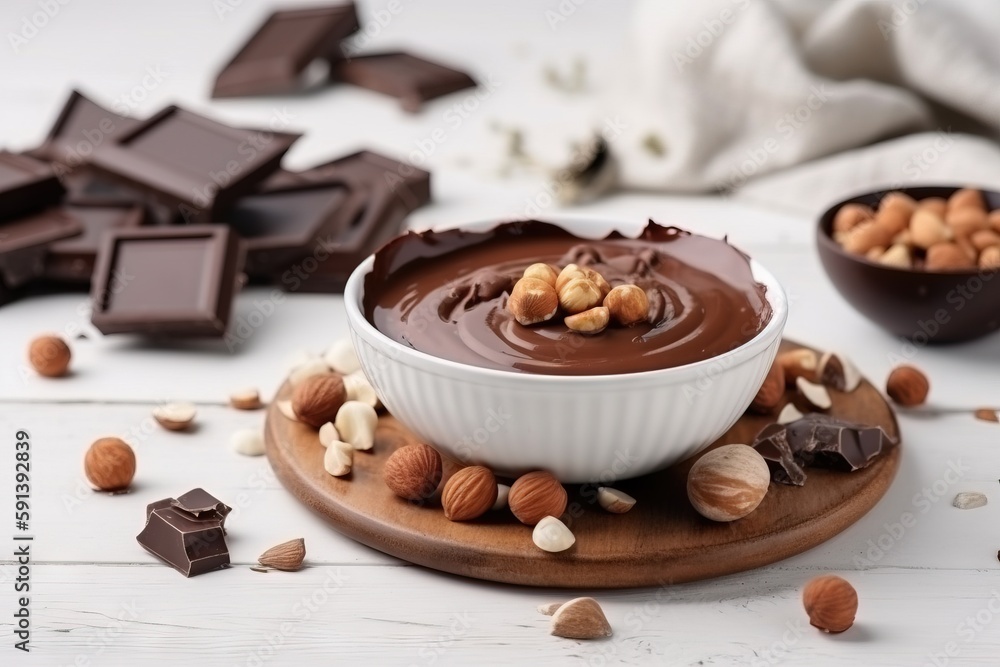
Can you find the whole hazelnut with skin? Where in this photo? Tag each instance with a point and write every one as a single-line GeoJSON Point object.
{"type": "Point", "coordinates": [831, 602]}
{"type": "Point", "coordinates": [532, 301]}
{"type": "Point", "coordinates": [728, 482]}
{"type": "Point", "coordinates": [628, 305]}
{"type": "Point", "coordinates": [109, 464]}
{"type": "Point", "coordinates": [907, 386]}
{"type": "Point", "coordinates": [49, 355]}
{"type": "Point", "coordinates": [317, 399]}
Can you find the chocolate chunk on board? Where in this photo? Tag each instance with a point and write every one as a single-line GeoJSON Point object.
{"type": "Point", "coordinates": [72, 260]}
{"type": "Point", "coordinates": [402, 75]}
{"type": "Point", "coordinates": [283, 224]}
{"type": "Point", "coordinates": [188, 532]}
{"type": "Point", "coordinates": [818, 440]}
{"type": "Point", "coordinates": [193, 164]}
{"type": "Point", "coordinates": [384, 192]}
{"type": "Point", "coordinates": [26, 185]}
{"type": "Point", "coordinates": [169, 281]}
{"type": "Point", "coordinates": [82, 127]}
{"type": "Point", "coordinates": [24, 242]}
{"type": "Point", "coordinates": [274, 58]}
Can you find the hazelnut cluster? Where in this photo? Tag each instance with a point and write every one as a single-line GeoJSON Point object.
{"type": "Point", "coordinates": [588, 302]}
{"type": "Point", "coordinates": [933, 234]}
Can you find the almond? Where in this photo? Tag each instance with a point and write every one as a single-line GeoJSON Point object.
{"type": "Point", "coordinates": [771, 392]}
{"type": "Point", "coordinates": [413, 472]}
{"type": "Point", "coordinates": [287, 556]}
{"type": "Point", "coordinates": [469, 493]}
{"type": "Point", "coordinates": [536, 495]}
{"type": "Point", "coordinates": [318, 398]}
{"type": "Point", "coordinates": [580, 618]}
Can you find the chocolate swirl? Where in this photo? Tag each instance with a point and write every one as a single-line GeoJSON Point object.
{"type": "Point", "coordinates": [445, 293]}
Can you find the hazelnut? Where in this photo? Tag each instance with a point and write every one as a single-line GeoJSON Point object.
{"type": "Point", "coordinates": [109, 464]}
{"type": "Point", "coordinates": [966, 221]}
{"type": "Point", "coordinates": [771, 392]}
{"type": "Point", "coordinates": [469, 493]}
{"type": "Point", "coordinates": [897, 256]}
{"type": "Point", "coordinates": [568, 273]}
{"type": "Point", "coordinates": [532, 301]}
{"type": "Point", "coordinates": [537, 495]}
{"type": "Point", "coordinates": [965, 245]}
{"type": "Point", "coordinates": [907, 386]}
{"type": "Point", "coordinates": [592, 321]}
{"type": "Point", "coordinates": [927, 228]}
{"type": "Point", "coordinates": [728, 482]}
{"type": "Point", "coordinates": [894, 216]}
{"type": "Point", "coordinates": [413, 472]}
{"type": "Point", "coordinates": [246, 399]}
{"type": "Point", "coordinates": [947, 257]}
{"type": "Point", "coordinates": [552, 535]}
{"type": "Point", "coordinates": [866, 236]}
{"type": "Point", "coordinates": [798, 363]}
{"type": "Point", "coordinates": [614, 501]}
{"type": "Point", "coordinates": [966, 198]}
{"type": "Point", "coordinates": [598, 279]}
{"type": "Point", "coordinates": [175, 416]}
{"type": "Point", "coordinates": [984, 238]}
{"type": "Point", "coordinates": [837, 371]}
{"type": "Point", "coordinates": [49, 355]}
{"type": "Point", "coordinates": [994, 219]}
{"type": "Point", "coordinates": [628, 305]}
{"type": "Point", "coordinates": [875, 253]}
{"type": "Point", "coordinates": [898, 201]}
{"type": "Point", "coordinates": [990, 258]}
{"type": "Point", "coordinates": [937, 205]}
{"type": "Point", "coordinates": [317, 399]}
{"type": "Point", "coordinates": [355, 424]}
{"type": "Point", "coordinates": [831, 602]}
{"type": "Point", "coordinates": [849, 216]}
{"type": "Point", "coordinates": [578, 295]}
{"type": "Point", "coordinates": [542, 271]}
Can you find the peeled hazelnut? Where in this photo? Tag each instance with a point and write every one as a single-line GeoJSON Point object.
{"type": "Point", "coordinates": [628, 304]}
{"type": "Point", "coordinates": [907, 386]}
{"type": "Point", "coordinates": [591, 321]}
{"type": "Point", "coordinates": [578, 295]}
{"type": "Point", "coordinates": [311, 367]}
{"type": "Point", "coordinates": [898, 256]}
{"type": "Point", "coordinates": [536, 495]}
{"type": "Point", "coordinates": [338, 459]}
{"type": "Point", "coordinates": [245, 399]}
{"type": "Point", "coordinates": [541, 271]}
{"type": "Point", "coordinates": [966, 198]}
{"type": "Point", "coordinates": [109, 464]}
{"type": "Point", "coordinates": [614, 501]}
{"type": "Point", "coordinates": [966, 221]}
{"type": "Point", "coordinates": [728, 482]}
{"type": "Point", "coordinates": [938, 205]}
{"type": "Point", "coordinates": [49, 356]}
{"type": "Point", "coordinates": [866, 236]}
{"type": "Point", "coordinates": [413, 472]}
{"type": "Point", "coordinates": [552, 535]}
{"type": "Point", "coordinates": [990, 258]}
{"type": "Point", "coordinates": [341, 357]}
{"type": "Point", "coordinates": [947, 257]}
{"type": "Point", "coordinates": [358, 388]}
{"type": "Point", "coordinates": [927, 228]}
{"type": "Point", "coordinates": [568, 273]}
{"type": "Point", "coordinates": [798, 363]}
{"type": "Point", "coordinates": [815, 394]}
{"type": "Point", "coordinates": [771, 392]}
{"type": "Point", "coordinates": [532, 301]}
{"type": "Point", "coordinates": [849, 216]}
{"type": "Point", "coordinates": [175, 416]}
{"type": "Point", "coordinates": [903, 238]}
{"type": "Point", "coordinates": [469, 493]}
{"type": "Point", "coordinates": [984, 238]}
{"type": "Point", "coordinates": [317, 399]}
{"type": "Point", "coordinates": [831, 602]}
{"type": "Point", "coordinates": [248, 442]}
{"type": "Point", "coordinates": [356, 423]}
{"type": "Point", "coordinates": [328, 434]}
{"type": "Point", "coordinates": [596, 278]}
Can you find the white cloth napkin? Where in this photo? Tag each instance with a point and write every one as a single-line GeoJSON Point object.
{"type": "Point", "coordinates": [797, 103]}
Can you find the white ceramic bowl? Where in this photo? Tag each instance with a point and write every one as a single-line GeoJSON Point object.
{"type": "Point", "coordinates": [595, 428]}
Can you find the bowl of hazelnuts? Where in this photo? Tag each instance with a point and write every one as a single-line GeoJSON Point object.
{"type": "Point", "coordinates": [921, 262]}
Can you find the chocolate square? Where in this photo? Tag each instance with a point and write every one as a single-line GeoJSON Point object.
{"type": "Point", "coordinates": [82, 127]}
{"type": "Point", "coordinates": [24, 243]}
{"type": "Point", "coordinates": [73, 259]}
{"type": "Point", "coordinates": [26, 185]}
{"type": "Point", "coordinates": [191, 541]}
{"type": "Point", "coordinates": [177, 281]}
{"type": "Point", "coordinates": [402, 75]}
{"type": "Point", "coordinates": [275, 57]}
{"type": "Point", "coordinates": [191, 163]}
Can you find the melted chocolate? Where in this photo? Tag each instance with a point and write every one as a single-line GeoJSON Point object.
{"type": "Point", "coordinates": [445, 293]}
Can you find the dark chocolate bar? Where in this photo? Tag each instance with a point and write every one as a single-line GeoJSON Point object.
{"type": "Point", "coordinates": [818, 440]}
{"type": "Point", "coordinates": [26, 185]}
{"type": "Point", "coordinates": [24, 243]}
{"type": "Point", "coordinates": [191, 163]}
{"type": "Point", "coordinates": [402, 75]}
{"type": "Point", "coordinates": [72, 260]}
{"type": "Point", "coordinates": [275, 57]}
{"type": "Point", "coordinates": [82, 127]}
{"type": "Point", "coordinates": [187, 532]}
{"type": "Point", "coordinates": [176, 281]}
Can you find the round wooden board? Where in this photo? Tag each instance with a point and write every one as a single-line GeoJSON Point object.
{"type": "Point", "coordinates": [661, 541]}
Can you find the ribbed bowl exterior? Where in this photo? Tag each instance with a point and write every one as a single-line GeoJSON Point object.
{"type": "Point", "coordinates": [582, 429]}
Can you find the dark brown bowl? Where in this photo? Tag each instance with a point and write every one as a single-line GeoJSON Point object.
{"type": "Point", "coordinates": [922, 306]}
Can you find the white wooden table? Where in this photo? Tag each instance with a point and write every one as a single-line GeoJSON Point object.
{"type": "Point", "coordinates": [929, 592]}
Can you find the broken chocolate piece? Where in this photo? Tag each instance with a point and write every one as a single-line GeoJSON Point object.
{"type": "Point", "coordinates": [72, 260]}
{"type": "Point", "coordinates": [188, 532]}
{"type": "Point", "coordinates": [83, 126]}
{"type": "Point", "coordinates": [178, 281]}
{"type": "Point", "coordinates": [402, 75]}
{"type": "Point", "coordinates": [26, 185]}
{"type": "Point", "coordinates": [274, 58]}
{"type": "Point", "coordinates": [24, 242]}
{"type": "Point", "coordinates": [193, 164]}
{"type": "Point", "coordinates": [819, 440]}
